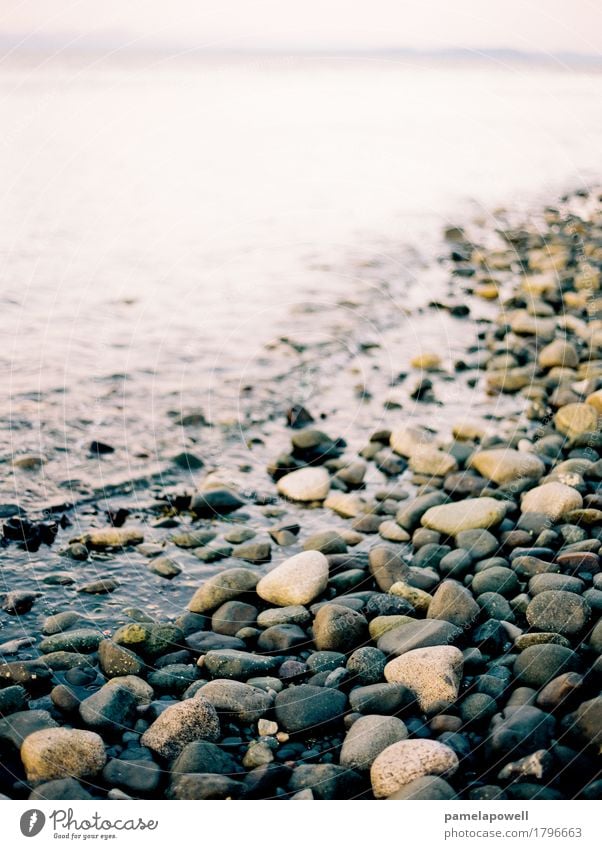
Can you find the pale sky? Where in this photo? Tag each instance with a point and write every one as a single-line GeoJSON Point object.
{"type": "Point", "coordinates": [530, 25]}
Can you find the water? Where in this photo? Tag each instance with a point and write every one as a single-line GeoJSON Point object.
{"type": "Point", "coordinates": [165, 221]}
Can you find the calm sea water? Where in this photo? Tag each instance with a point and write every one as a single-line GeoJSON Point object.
{"type": "Point", "coordinates": [164, 221]}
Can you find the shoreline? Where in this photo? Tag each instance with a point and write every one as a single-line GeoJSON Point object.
{"type": "Point", "coordinates": [462, 671]}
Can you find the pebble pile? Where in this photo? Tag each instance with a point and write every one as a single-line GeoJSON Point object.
{"type": "Point", "coordinates": [438, 638]}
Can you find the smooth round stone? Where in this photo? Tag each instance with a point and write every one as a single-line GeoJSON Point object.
{"type": "Point", "coordinates": [237, 700]}
{"type": "Point", "coordinates": [102, 538]}
{"type": "Point", "coordinates": [503, 465]}
{"type": "Point", "coordinates": [393, 532]}
{"type": "Point", "coordinates": [380, 698]}
{"type": "Point", "coordinates": [464, 515]}
{"type": "Point", "coordinates": [554, 500]}
{"type": "Point", "coordinates": [477, 708]}
{"type": "Point", "coordinates": [59, 622]}
{"type": "Point", "coordinates": [140, 689]}
{"type": "Point", "coordinates": [520, 730]}
{"type": "Point", "coordinates": [328, 542]}
{"type": "Point", "coordinates": [538, 664]}
{"type": "Point", "coordinates": [368, 737]}
{"type": "Point", "coordinates": [231, 663]}
{"type": "Point", "coordinates": [418, 634]}
{"type": "Point", "coordinates": [453, 603]}
{"type": "Point", "coordinates": [408, 760]}
{"type": "Point", "coordinates": [307, 707]}
{"type": "Point", "coordinates": [433, 674]}
{"type": "Point", "coordinates": [479, 543]}
{"type": "Point", "coordinates": [297, 581]}
{"type": "Point", "coordinates": [133, 776]}
{"type": "Point", "coordinates": [109, 709]}
{"type": "Point", "coordinates": [428, 460]}
{"type": "Point", "coordinates": [215, 502]}
{"type": "Point", "coordinates": [281, 639]}
{"type": "Point", "coordinates": [559, 352]}
{"type": "Point", "coordinates": [80, 640]}
{"type": "Point", "coordinates": [201, 756]}
{"type": "Point", "coordinates": [231, 616]}
{"type": "Point", "coordinates": [309, 484]}
{"type": "Point", "coordinates": [430, 556]}
{"type": "Point", "coordinates": [495, 606]}
{"type": "Point", "coordinates": [575, 419]}
{"type": "Point", "coordinates": [419, 599]}
{"type": "Point", "coordinates": [381, 624]}
{"type": "Point", "coordinates": [226, 586]}
{"type": "Point", "coordinates": [428, 788]}
{"type": "Point", "coordinates": [367, 665]}
{"type": "Point", "coordinates": [456, 564]}
{"type": "Point", "coordinates": [497, 579]}
{"type": "Point", "coordinates": [294, 614]}
{"type": "Point", "coordinates": [387, 566]}
{"type": "Point", "coordinates": [62, 753]}
{"type": "Point", "coordinates": [345, 504]}
{"type": "Point", "coordinates": [406, 440]}
{"type": "Point", "coordinates": [165, 567]}
{"type": "Point", "coordinates": [179, 724]}
{"type": "Point", "coordinates": [325, 661]}
{"type": "Point", "coordinates": [559, 690]}
{"type": "Point", "coordinates": [558, 611]}
{"type": "Point", "coordinates": [550, 581]}
{"type": "Point", "coordinates": [254, 552]}
{"type": "Point", "coordinates": [115, 660]}
{"type": "Point", "coordinates": [338, 628]}
{"type": "Point", "coordinates": [202, 786]}
{"type": "Point", "coordinates": [384, 604]}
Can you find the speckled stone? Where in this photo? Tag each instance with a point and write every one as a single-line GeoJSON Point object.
{"type": "Point", "coordinates": [433, 674]}
{"type": "Point", "coordinates": [408, 760]}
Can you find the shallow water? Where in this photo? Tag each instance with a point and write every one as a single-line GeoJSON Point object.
{"type": "Point", "coordinates": [231, 238]}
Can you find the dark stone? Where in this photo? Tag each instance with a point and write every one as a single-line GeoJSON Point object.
{"type": "Point", "coordinates": [326, 781]}
{"type": "Point", "coordinates": [306, 707]}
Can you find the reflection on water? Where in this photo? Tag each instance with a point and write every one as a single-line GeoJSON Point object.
{"type": "Point", "coordinates": [163, 222]}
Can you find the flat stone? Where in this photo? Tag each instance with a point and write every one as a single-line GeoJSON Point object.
{"type": "Point", "coordinates": [465, 515]}
{"type": "Point", "coordinates": [299, 580]}
{"type": "Point", "coordinates": [408, 760]}
{"type": "Point", "coordinates": [432, 674]}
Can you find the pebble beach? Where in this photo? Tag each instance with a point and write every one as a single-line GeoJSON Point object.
{"type": "Point", "coordinates": [408, 609]}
